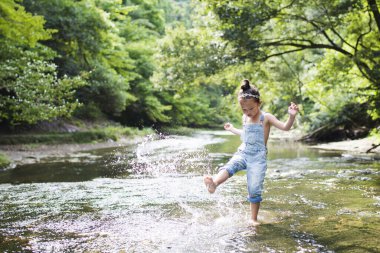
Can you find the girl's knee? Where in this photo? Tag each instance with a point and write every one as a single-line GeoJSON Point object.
{"type": "Point", "coordinates": [254, 192]}
{"type": "Point", "coordinates": [255, 198]}
{"type": "Point", "coordinates": [229, 171]}
{"type": "Point", "coordinates": [234, 165]}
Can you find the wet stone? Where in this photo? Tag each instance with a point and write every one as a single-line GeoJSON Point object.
{"type": "Point", "coordinates": [344, 211]}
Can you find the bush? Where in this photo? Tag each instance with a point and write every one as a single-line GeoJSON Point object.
{"type": "Point", "coordinates": [92, 135]}
{"type": "Point", "coordinates": [4, 161]}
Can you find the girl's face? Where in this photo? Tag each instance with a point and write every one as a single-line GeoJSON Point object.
{"type": "Point", "coordinates": [250, 107]}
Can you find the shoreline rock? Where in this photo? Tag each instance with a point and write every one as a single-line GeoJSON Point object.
{"type": "Point", "coordinates": [359, 146]}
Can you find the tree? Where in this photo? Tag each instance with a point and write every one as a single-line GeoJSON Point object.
{"type": "Point", "coordinates": [192, 76]}
{"type": "Point", "coordinates": [113, 41]}
{"type": "Point", "coordinates": [177, 12]}
{"type": "Point", "coordinates": [20, 26]}
{"type": "Point", "coordinates": [261, 30]}
{"type": "Point", "coordinates": [30, 90]}
{"type": "Point", "coordinates": [140, 30]}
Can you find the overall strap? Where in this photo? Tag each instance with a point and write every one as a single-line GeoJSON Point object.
{"type": "Point", "coordinates": [261, 118]}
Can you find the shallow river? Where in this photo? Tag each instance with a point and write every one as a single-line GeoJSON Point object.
{"type": "Point", "coordinates": [150, 197]}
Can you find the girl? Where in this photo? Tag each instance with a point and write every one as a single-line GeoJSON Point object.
{"type": "Point", "coordinates": [252, 153]}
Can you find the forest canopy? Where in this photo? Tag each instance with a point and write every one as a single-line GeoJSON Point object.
{"type": "Point", "coordinates": [180, 63]}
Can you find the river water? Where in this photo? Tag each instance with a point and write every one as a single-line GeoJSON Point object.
{"type": "Point", "coordinates": [150, 197]}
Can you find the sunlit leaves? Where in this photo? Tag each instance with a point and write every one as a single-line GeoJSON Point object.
{"type": "Point", "coordinates": [20, 26]}
{"type": "Point", "coordinates": [336, 41]}
{"type": "Point", "coordinates": [30, 90]}
{"type": "Point", "coordinates": [188, 56]}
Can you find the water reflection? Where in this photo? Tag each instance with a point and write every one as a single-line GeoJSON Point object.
{"type": "Point", "coordinates": [151, 198]}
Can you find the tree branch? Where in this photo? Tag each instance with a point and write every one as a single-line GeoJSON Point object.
{"type": "Point", "coordinates": [375, 11]}
{"type": "Point", "coordinates": [323, 31]}
{"type": "Point", "coordinates": [296, 74]}
{"type": "Point", "coordinates": [310, 46]}
{"type": "Point", "coordinates": [363, 34]}
{"type": "Point", "coordinates": [333, 29]}
{"type": "Point", "coordinates": [340, 37]}
{"type": "Point", "coordinates": [287, 6]}
{"type": "Point", "coordinates": [362, 65]}
{"type": "Point", "coordinates": [373, 147]}
{"type": "Point", "coordinates": [281, 53]}
{"type": "Point", "coordinates": [279, 40]}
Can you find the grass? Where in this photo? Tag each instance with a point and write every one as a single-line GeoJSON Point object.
{"type": "Point", "coordinates": [181, 130]}
{"type": "Point", "coordinates": [97, 134]}
{"type": "Point", "coordinates": [4, 161]}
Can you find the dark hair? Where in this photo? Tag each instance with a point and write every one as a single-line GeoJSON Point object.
{"type": "Point", "coordinates": [247, 91]}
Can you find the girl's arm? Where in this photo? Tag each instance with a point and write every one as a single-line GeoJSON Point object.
{"type": "Point", "coordinates": [292, 110]}
{"type": "Point", "coordinates": [232, 129]}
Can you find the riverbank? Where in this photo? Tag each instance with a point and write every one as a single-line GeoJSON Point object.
{"type": "Point", "coordinates": [32, 153]}
{"type": "Point", "coordinates": [62, 139]}
{"type": "Point", "coordinates": [45, 146]}
{"type": "Point", "coordinates": [360, 146]}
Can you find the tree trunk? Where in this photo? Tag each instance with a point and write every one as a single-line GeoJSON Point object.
{"type": "Point", "coordinates": [375, 10]}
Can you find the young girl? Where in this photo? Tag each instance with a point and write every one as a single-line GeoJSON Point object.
{"type": "Point", "coordinates": [252, 153]}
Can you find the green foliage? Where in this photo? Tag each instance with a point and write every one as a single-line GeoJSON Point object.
{"type": "Point", "coordinates": [147, 16]}
{"type": "Point", "coordinates": [82, 31]}
{"type": "Point", "coordinates": [20, 26]}
{"type": "Point", "coordinates": [107, 90]}
{"type": "Point", "coordinates": [89, 111]}
{"type": "Point", "coordinates": [86, 42]}
{"type": "Point", "coordinates": [150, 62]}
{"type": "Point", "coordinates": [98, 134]}
{"type": "Point", "coordinates": [191, 54]}
{"type": "Point", "coordinates": [177, 130]}
{"type": "Point", "coordinates": [376, 133]}
{"type": "Point", "coordinates": [117, 132]}
{"type": "Point", "coordinates": [112, 40]}
{"type": "Point", "coordinates": [177, 12]}
{"type": "Point", "coordinates": [323, 55]}
{"type": "Point", "coordinates": [30, 90]}
{"type": "Point", "coordinates": [4, 161]}
{"type": "Point", "coordinates": [146, 108]}
{"type": "Point", "coordinates": [189, 63]}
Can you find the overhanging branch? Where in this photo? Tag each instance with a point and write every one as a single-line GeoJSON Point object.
{"type": "Point", "coordinates": [375, 11]}
{"type": "Point", "coordinates": [309, 46]}
{"type": "Point", "coordinates": [280, 53]}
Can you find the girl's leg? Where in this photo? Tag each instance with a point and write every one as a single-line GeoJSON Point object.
{"type": "Point", "coordinates": [236, 163]}
{"type": "Point", "coordinates": [255, 180]}
{"type": "Point", "coordinates": [212, 183]}
{"type": "Point", "coordinates": [254, 212]}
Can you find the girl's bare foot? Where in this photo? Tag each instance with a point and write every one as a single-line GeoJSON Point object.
{"type": "Point", "coordinates": [209, 182]}
{"type": "Point", "coordinates": [254, 223]}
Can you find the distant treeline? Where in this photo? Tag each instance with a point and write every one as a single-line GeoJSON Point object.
{"type": "Point", "coordinates": [179, 63]}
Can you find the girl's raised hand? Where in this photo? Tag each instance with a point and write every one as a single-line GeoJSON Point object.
{"type": "Point", "coordinates": [293, 109]}
{"type": "Point", "coordinates": [228, 126]}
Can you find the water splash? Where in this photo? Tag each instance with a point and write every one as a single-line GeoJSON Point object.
{"type": "Point", "coordinates": [311, 204]}
{"type": "Point", "coordinates": [172, 155]}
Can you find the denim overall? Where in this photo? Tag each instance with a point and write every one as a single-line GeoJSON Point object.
{"type": "Point", "coordinates": [251, 156]}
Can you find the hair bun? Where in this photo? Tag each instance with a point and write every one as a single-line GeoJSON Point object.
{"type": "Point", "coordinates": [245, 85]}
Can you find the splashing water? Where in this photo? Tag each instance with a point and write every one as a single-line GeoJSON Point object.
{"type": "Point", "coordinates": [150, 197]}
{"type": "Point", "coordinates": [159, 154]}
